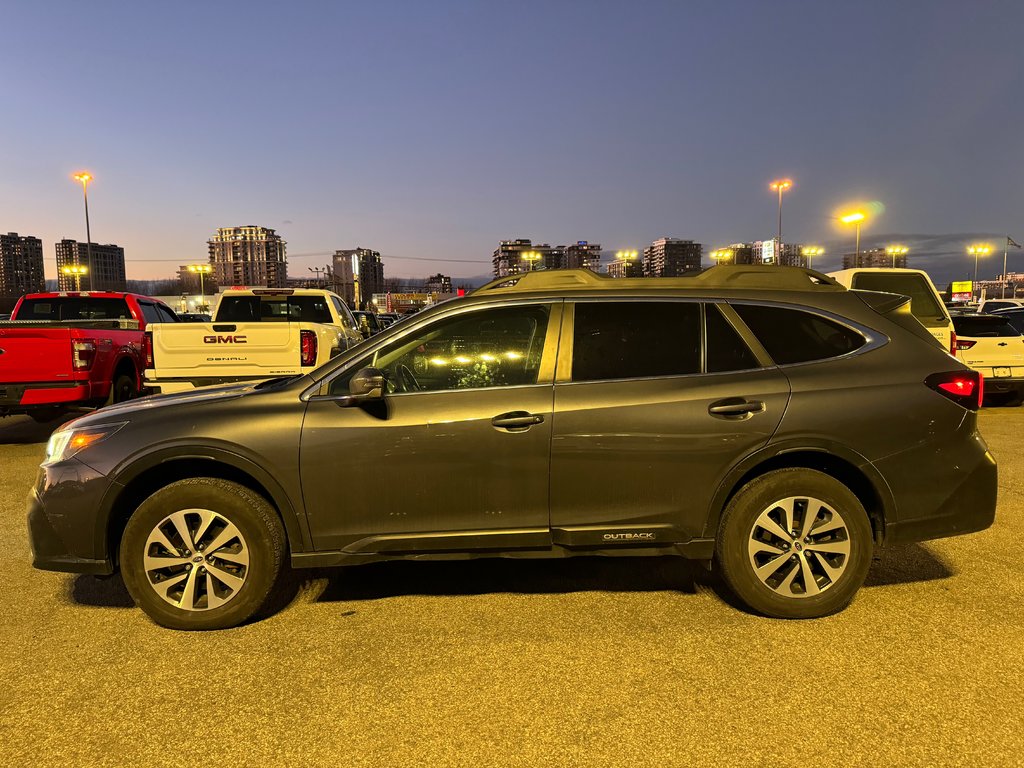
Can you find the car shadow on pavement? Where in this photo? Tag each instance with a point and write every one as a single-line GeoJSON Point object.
{"type": "Point", "coordinates": [485, 576]}
{"type": "Point", "coordinates": [907, 563]}
{"type": "Point", "coordinates": [100, 592]}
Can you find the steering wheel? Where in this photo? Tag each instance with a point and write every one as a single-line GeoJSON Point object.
{"type": "Point", "coordinates": [406, 379]}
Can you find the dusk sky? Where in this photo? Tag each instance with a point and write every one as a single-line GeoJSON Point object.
{"type": "Point", "coordinates": [431, 130]}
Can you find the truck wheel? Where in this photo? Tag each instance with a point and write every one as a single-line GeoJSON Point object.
{"type": "Point", "coordinates": [43, 415]}
{"type": "Point", "coordinates": [202, 553]}
{"type": "Point", "coordinates": [794, 544]}
{"type": "Point", "coordinates": [124, 388]}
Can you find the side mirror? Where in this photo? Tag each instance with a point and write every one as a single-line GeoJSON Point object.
{"type": "Point", "coordinates": [367, 384]}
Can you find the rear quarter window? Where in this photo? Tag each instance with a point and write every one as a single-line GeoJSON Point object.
{"type": "Point", "coordinates": [795, 336]}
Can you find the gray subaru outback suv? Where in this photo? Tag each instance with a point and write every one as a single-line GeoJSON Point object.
{"type": "Point", "coordinates": [764, 419]}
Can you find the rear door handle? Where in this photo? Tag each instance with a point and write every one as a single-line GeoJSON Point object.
{"type": "Point", "coordinates": [517, 421]}
{"type": "Point", "coordinates": [735, 406]}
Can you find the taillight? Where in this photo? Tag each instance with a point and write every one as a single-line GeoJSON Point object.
{"type": "Point", "coordinates": [953, 343]}
{"type": "Point", "coordinates": [308, 347]}
{"type": "Point", "coordinates": [147, 348]}
{"type": "Point", "coordinates": [963, 343]}
{"type": "Point", "coordinates": [83, 352]}
{"type": "Point", "coordinates": [966, 388]}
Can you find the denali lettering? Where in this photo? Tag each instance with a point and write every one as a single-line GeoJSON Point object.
{"type": "Point", "coordinates": [230, 339]}
{"type": "Point", "coordinates": [627, 536]}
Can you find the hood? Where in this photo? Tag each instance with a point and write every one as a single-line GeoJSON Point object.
{"type": "Point", "coordinates": [126, 410]}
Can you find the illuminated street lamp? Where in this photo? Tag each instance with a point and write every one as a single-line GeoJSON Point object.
{"type": "Point", "coordinates": [896, 250]}
{"type": "Point", "coordinates": [85, 178]}
{"type": "Point", "coordinates": [780, 186]}
{"type": "Point", "coordinates": [810, 251]}
{"type": "Point", "coordinates": [77, 270]}
{"type": "Point", "coordinates": [856, 218]}
{"type": "Point", "coordinates": [531, 258]}
{"type": "Point", "coordinates": [723, 254]}
{"type": "Point", "coordinates": [201, 269]}
{"type": "Point", "coordinates": [976, 250]}
{"type": "Point", "coordinates": [626, 259]}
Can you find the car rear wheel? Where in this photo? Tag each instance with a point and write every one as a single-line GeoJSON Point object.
{"type": "Point", "coordinates": [794, 544]}
{"type": "Point", "coordinates": [124, 388]}
{"type": "Point", "coordinates": [202, 553]}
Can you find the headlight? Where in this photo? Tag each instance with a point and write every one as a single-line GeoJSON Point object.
{"type": "Point", "coordinates": [67, 442]}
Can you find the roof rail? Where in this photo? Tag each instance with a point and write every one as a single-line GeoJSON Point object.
{"type": "Point", "coordinates": [765, 276]}
{"type": "Point", "coordinates": [545, 279]}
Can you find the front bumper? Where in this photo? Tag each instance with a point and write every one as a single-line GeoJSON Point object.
{"type": "Point", "coordinates": [65, 529]}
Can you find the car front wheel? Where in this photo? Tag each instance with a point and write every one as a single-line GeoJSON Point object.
{"type": "Point", "coordinates": [202, 553]}
{"type": "Point", "coordinates": [794, 544]}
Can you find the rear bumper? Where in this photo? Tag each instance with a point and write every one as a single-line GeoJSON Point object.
{"type": "Point", "coordinates": [1001, 384]}
{"type": "Point", "coordinates": [22, 397]}
{"type": "Point", "coordinates": [963, 501]}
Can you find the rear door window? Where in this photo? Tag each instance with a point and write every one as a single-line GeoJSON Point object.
{"type": "Point", "coordinates": [795, 336]}
{"type": "Point", "coordinates": [635, 339]}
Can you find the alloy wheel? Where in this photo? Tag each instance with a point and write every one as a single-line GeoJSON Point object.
{"type": "Point", "coordinates": [799, 546]}
{"type": "Point", "coordinates": [196, 559]}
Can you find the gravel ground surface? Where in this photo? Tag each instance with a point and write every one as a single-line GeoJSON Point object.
{"type": "Point", "coordinates": [576, 662]}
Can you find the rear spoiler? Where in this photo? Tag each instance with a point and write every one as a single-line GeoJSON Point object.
{"type": "Point", "coordinates": [897, 308]}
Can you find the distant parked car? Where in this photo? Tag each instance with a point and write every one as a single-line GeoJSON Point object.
{"type": "Point", "coordinates": [991, 345]}
{"type": "Point", "coordinates": [368, 324]}
{"type": "Point", "coordinates": [993, 305]}
{"type": "Point", "coordinates": [925, 303]}
{"type": "Point", "coordinates": [194, 317]}
{"type": "Point", "coordinates": [1015, 316]}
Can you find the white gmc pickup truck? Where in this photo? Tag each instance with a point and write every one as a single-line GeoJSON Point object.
{"type": "Point", "coordinates": [256, 333]}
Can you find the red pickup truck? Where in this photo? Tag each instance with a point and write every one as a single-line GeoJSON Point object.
{"type": "Point", "coordinates": [60, 350]}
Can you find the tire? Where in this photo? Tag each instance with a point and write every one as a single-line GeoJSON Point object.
{"type": "Point", "coordinates": [44, 415]}
{"type": "Point", "coordinates": [125, 387]}
{"type": "Point", "coordinates": [228, 573]}
{"type": "Point", "coordinates": [800, 577]}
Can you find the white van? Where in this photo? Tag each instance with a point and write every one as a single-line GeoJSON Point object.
{"type": "Point", "coordinates": [925, 302]}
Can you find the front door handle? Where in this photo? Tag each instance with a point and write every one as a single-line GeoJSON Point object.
{"type": "Point", "coordinates": [734, 407]}
{"type": "Point", "coordinates": [516, 421]}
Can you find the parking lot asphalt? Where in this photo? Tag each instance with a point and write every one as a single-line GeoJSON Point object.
{"type": "Point", "coordinates": [568, 662]}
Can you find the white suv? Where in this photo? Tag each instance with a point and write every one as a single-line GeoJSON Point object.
{"type": "Point", "coordinates": [992, 346]}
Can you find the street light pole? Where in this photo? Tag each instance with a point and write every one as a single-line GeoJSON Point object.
{"type": "Point", "coordinates": [811, 251]}
{"type": "Point", "coordinates": [976, 251]}
{"type": "Point", "coordinates": [896, 250]}
{"type": "Point", "coordinates": [85, 178]}
{"type": "Point", "coordinates": [781, 185]}
{"type": "Point", "coordinates": [855, 218]}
